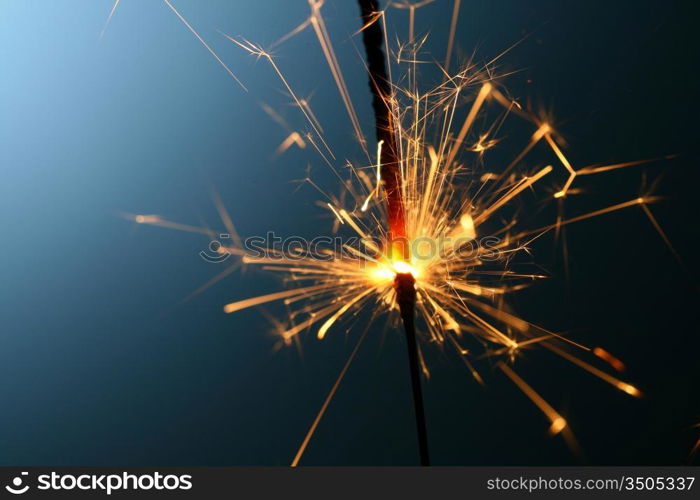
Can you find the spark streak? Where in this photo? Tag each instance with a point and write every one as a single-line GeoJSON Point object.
{"type": "Point", "coordinates": [259, 52]}
{"type": "Point", "coordinates": [324, 40]}
{"type": "Point", "coordinates": [451, 39]}
{"type": "Point", "coordinates": [324, 407]}
{"type": "Point", "coordinates": [206, 45]}
{"type": "Point", "coordinates": [558, 423]}
{"type": "Point", "coordinates": [109, 18]}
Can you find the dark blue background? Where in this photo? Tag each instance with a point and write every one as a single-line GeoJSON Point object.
{"type": "Point", "coordinates": [102, 363]}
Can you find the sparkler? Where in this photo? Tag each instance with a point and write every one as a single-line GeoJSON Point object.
{"type": "Point", "coordinates": [430, 190]}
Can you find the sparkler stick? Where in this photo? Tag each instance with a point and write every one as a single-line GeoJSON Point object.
{"type": "Point", "coordinates": [390, 172]}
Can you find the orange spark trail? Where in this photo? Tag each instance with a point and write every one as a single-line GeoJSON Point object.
{"type": "Point", "coordinates": [618, 365]}
{"type": "Point", "coordinates": [324, 328]}
{"type": "Point", "coordinates": [558, 423]}
{"type": "Point", "coordinates": [483, 93]}
{"type": "Point", "coordinates": [262, 299]}
{"type": "Point", "coordinates": [536, 137]}
{"type": "Point", "coordinates": [619, 384]}
{"type": "Point", "coordinates": [564, 161]}
{"type": "Point", "coordinates": [605, 168]}
{"type": "Point", "coordinates": [523, 184]}
{"type": "Point", "coordinates": [293, 138]}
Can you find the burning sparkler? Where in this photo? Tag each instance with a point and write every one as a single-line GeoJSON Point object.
{"type": "Point", "coordinates": [433, 243]}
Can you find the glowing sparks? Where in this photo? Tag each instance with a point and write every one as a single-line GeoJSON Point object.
{"type": "Point", "coordinates": [564, 161]}
{"type": "Point", "coordinates": [375, 191]}
{"type": "Point", "coordinates": [623, 386]}
{"type": "Point", "coordinates": [461, 283]}
{"type": "Point", "coordinates": [618, 365]}
{"type": "Point", "coordinates": [256, 301]}
{"type": "Point", "coordinates": [293, 138]}
{"type": "Point", "coordinates": [478, 102]}
{"type": "Point", "coordinates": [514, 191]}
{"type": "Point", "coordinates": [558, 423]}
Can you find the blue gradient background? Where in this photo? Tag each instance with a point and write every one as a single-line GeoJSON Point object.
{"type": "Point", "coordinates": [101, 361]}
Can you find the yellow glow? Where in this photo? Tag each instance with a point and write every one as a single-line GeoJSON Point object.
{"type": "Point", "coordinates": [609, 358]}
{"type": "Point", "coordinates": [629, 389]}
{"type": "Point", "coordinates": [403, 267]}
{"type": "Point", "coordinates": [557, 426]}
{"type": "Point", "coordinates": [389, 271]}
{"type": "Point", "coordinates": [382, 273]}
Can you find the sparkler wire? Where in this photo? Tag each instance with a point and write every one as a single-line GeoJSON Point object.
{"type": "Point", "coordinates": [404, 283]}
{"type": "Point", "coordinates": [380, 86]}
